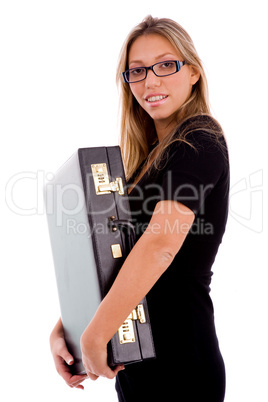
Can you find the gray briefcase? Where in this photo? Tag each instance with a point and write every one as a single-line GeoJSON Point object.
{"type": "Point", "coordinates": [91, 234]}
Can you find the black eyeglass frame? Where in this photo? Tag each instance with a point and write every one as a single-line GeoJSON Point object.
{"type": "Point", "coordinates": [179, 64]}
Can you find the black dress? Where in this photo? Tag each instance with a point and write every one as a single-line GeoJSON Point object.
{"type": "Point", "coordinates": [189, 366]}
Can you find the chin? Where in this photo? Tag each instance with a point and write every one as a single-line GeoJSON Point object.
{"type": "Point", "coordinates": [161, 118]}
{"type": "Point", "coordinates": [158, 115]}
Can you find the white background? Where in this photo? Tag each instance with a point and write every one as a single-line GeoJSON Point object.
{"type": "Point", "coordinates": [58, 93]}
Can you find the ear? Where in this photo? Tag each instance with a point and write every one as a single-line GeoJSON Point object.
{"type": "Point", "coordinates": [194, 75]}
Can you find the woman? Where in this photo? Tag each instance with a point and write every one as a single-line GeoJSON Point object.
{"type": "Point", "coordinates": [178, 175]}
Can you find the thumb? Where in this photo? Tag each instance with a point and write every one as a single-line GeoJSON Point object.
{"type": "Point", "coordinates": [116, 370]}
{"type": "Point", "coordinates": [69, 359]}
{"type": "Point", "coordinates": [66, 356]}
{"type": "Point", "coordinates": [119, 368]}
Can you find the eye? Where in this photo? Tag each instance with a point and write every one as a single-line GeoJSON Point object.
{"type": "Point", "coordinates": [165, 68]}
{"type": "Point", "coordinates": [136, 71]}
{"type": "Point", "coordinates": [167, 65]}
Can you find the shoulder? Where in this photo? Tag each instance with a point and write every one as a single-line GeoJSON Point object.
{"type": "Point", "coordinates": [200, 136]}
{"type": "Point", "coordinates": [200, 121]}
{"type": "Point", "coordinates": [197, 147]}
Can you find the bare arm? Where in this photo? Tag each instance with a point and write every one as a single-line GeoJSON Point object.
{"type": "Point", "coordinates": [147, 261]}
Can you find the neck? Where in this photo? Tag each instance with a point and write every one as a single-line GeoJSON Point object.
{"type": "Point", "coordinates": [163, 128]}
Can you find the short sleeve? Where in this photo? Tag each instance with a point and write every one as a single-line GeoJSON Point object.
{"type": "Point", "coordinates": [193, 170]}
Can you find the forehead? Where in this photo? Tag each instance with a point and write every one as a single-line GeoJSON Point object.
{"type": "Point", "coordinates": [151, 48]}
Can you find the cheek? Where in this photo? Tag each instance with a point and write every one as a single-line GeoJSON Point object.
{"type": "Point", "coordinates": [182, 88]}
{"type": "Point", "coordinates": [136, 91]}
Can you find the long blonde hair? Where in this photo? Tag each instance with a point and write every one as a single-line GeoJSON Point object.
{"type": "Point", "coordinates": [137, 127]}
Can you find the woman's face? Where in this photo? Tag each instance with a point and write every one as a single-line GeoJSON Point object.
{"type": "Point", "coordinates": [174, 89]}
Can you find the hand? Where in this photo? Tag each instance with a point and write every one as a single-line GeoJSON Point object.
{"type": "Point", "coordinates": [94, 357]}
{"type": "Point", "coordinates": [63, 359]}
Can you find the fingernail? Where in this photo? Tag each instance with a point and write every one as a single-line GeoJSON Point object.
{"type": "Point", "coordinates": [70, 361]}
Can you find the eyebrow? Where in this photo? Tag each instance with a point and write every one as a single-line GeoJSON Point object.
{"type": "Point", "coordinates": [156, 58]}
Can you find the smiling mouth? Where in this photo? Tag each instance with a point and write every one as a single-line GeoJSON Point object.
{"type": "Point", "coordinates": [156, 98]}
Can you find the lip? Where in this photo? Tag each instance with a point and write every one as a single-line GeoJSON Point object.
{"type": "Point", "coordinates": [157, 102]}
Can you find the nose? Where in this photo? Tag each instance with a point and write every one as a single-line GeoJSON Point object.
{"type": "Point", "coordinates": [152, 80]}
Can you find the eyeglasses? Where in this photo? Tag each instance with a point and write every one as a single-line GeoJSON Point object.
{"type": "Point", "coordinates": [162, 69]}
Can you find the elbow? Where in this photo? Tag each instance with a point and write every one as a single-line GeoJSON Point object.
{"type": "Point", "coordinates": [166, 257]}
{"type": "Point", "coordinates": [162, 255]}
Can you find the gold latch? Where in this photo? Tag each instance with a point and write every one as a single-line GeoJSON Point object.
{"type": "Point", "coordinates": [126, 331]}
{"type": "Point", "coordinates": [102, 183]}
{"type": "Point", "coordinates": [141, 314]}
{"type": "Point", "coordinates": [116, 250]}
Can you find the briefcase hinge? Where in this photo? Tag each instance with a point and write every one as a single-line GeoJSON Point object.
{"type": "Point", "coordinates": [126, 331]}
{"type": "Point", "coordinates": [102, 183]}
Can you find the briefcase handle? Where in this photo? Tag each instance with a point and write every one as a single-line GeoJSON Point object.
{"type": "Point", "coordinates": [127, 228]}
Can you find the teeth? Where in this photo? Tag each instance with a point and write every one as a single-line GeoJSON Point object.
{"type": "Point", "coordinates": [156, 98]}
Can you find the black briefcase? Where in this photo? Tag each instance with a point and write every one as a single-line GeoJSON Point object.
{"type": "Point", "coordinates": [91, 234]}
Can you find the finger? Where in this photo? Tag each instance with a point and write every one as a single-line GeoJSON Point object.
{"type": "Point", "coordinates": [78, 384]}
{"type": "Point", "coordinates": [67, 357]}
{"type": "Point", "coordinates": [106, 372]}
{"type": "Point", "coordinates": [109, 373]}
{"type": "Point", "coordinates": [92, 376]}
{"type": "Point", "coordinates": [62, 368]}
{"type": "Point", "coordinates": [64, 353]}
{"type": "Point", "coordinates": [118, 368]}
{"type": "Point", "coordinates": [77, 380]}
{"type": "Point", "coordinates": [79, 387]}
{"type": "Point", "coordinates": [73, 383]}
{"type": "Point", "coordinates": [68, 377]}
